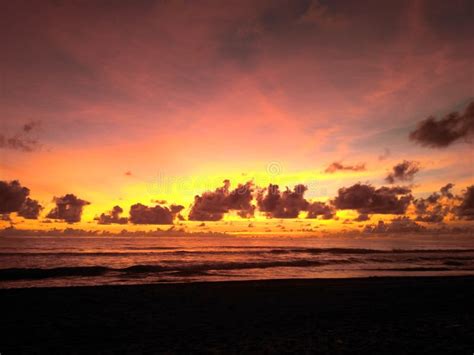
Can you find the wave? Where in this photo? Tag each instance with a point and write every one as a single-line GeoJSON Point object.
{"type": "Point", "coordinates": [378, 251]}
{"type": "Point", "coordinates": [197, 269]}
{"type": "Point", "coordinates": [242, 251]}
{"type": "Point", "coordinates": [419, 269]}
{"type": "Point", "coordinates": [40, 273]}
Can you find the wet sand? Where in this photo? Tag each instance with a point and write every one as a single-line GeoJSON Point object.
{"type": "Point", "coordinates": [383, 315]}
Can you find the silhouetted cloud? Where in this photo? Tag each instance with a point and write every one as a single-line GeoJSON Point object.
{"type": "Point", "coordinates": [404, 171]}
{"type": "Point", "coordinates": [322, 209]}
{"type": "Point", "coordinates": [30, 209]}
{"type": "Point", "coordinates": [445, 190]}
{"type": "Point", "coordinates": [141, 214]}
{"type": "Point", "coordinates": [286, 204]}
{"type": "Point", "coordinates": [212, 205]}
{"type": "Point", "coordinates": [337, 166]}
{"type": "Point", "coordinates": [68, 208]}
{"type": "Point", "coordinates": [449, 129]}
{"type": "Point", "coordinates": [466, 209]}
{"type": "Point", "coordinates": [434, 208]}
{"type": "Point", "coordinates": [366, 199]}
{"type": "Point", "coordinates": [14, 198]}
{"type": "Point", "coordinates": [112, 217]}
{"type": "Point", "coordinates": [401, 224]}
{"type": "Point", "coordinates": [362, 217]}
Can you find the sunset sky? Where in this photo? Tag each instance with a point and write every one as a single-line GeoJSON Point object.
{"type": "Point", "coordinates": [126, 102]}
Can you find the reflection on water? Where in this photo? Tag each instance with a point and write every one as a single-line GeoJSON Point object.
{"type": "Point", "coordinates": [74, 261]}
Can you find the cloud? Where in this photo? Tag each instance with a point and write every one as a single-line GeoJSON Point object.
{"type": "Point", "coordinates": [362, 217]}
{"type": "Point", "coordinates": [112, 217]}
{"type": "Point", "coordinates": [401, 224]}
{"type": "Point", "coordinates": [366, 199]}
{"type": "Point", "coordinates": [435, 207]}
{"type": "Point", "coordinates": [286, 204]}
{"type": "Point", "coordinates": [212, 205]}
{"type": "Point", "coordinates": [466, 209]}
{"type": "Point", "coordinates": [68, 208]}
{"type": "Point", "coordinates": [337, 166]}
{"type": "Point", "coordinates": [21, 141]}
{"type": "Point", "coordinates": [27, 127]}
{"type": "Point", "coordinates": [445, 131]}
{"type": "Point", "coordinates": [14, 198]}
{"type": "Point", "coordinates": [141, 214]}
{"type": "Point", "coordinates": [445, 190]}
{"type": "Point", "coordinates": [404, 171]}
{"type": "Point", "coordinates": [30, 209]}
{"type": "Point", "coordinates": [322, 209]}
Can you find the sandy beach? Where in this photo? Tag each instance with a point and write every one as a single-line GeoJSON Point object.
{"type": "Point", "coordinates": [384, 315]}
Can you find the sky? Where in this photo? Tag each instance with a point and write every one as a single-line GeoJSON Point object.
{"type": "Point", "coordinates": [118, 103]}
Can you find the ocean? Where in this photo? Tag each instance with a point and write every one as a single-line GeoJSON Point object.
{"type": "Point", "coordinates": [81, 261]}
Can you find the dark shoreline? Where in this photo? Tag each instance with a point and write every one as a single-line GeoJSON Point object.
{"type": "Point", "coordinates": [379, 314]}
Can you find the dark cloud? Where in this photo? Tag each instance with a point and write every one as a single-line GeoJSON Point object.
{"type": "Point", "coordinates": [175, 209]}
{"type": "Point", "coordinates": [435, 207]}
{"type": "Point", "coordinates": [282, 14]}
{"type": "Point", "coordinates": [322, 209]}
{"type": "Point", "coordinates": [362, 217]}
{"type": "Point", "coordinates": [466, 209]}
{"type": "Point", "coordinates": [112, 217]}
{"type": "Point", "coordinates": [286, 204]}
{"type": "Point", "coordinates": [68, 208]}
{"type": "Point", "coordinates": [243, 39]}
{"type": "Point", "coordinates": [30, 209]}
{"type": "Point", "coordinates": [445, 190]}
{"type": "Point", "coordinates": [450, 21]}
{"type": "Point", "coordinates": [435, 215]}
{"type": "Point", "coordinates": [212, 205]}
{"type": "Point", "coordinates": [336, 166]}
{"type": "Point", "coordinates": [366, 199]}
{"type": "Point", "coordinates": [404, 171]}
{"type": "Point", "coordinates": [128, 173]}
{"type": "Point", "coordinates": [141, 214]}
{"type": "Point", "coordinates": [445, 131]}
{"type": "Point", "coordinates": [14, 198]}
{"type": "Point", "coordinates": [159, 202]}
{"type": "Point", "coordinates": [396, 225]}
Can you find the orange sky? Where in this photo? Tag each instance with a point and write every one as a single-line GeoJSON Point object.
{"type": "Point", "coordinates": [137, 101]}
